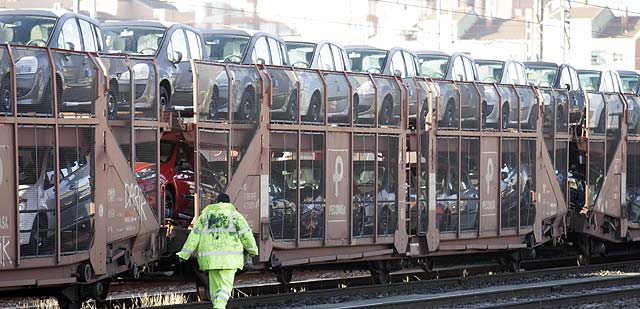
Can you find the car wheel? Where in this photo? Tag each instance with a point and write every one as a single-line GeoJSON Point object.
{"type": "Point", "coordinates": [424, 112]}
{"type": "Point", "coordinates": [449, 120]}
{"type": "Point", "coordinates": [169, 203]}
{"type": "Point", "coordinates": [505, 116]}
{"type": "Point", "coordinates": [7, 98]}
{"type": "Point", "coordinates": [314, 108]}
{"type": "Point", "coordinates": [164, 98]}
{"type": "Point", "coordinates": [292, 109]}
{"type": "Point", "coordinates": [386, 111]}
{"type": "Point", "coordinates": [284, 275]}
{"type": "Point", "coordinates": [246, 111]}
{"type": "Point", "coordinates": [356, 108]}
{"type": "Point", "coordinates": [112, 105]}
{"type": "Point", "coordinates": [213, 105]}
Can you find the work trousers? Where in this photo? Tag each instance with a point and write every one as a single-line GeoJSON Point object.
{"type": "Point", "coordinates": [220, 286]}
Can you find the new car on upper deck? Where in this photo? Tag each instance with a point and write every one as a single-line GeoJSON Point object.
{"type": "Point", "coordinates": [455, 67]}
{"type": "Point", "coordinates": [559, 76]}
{"type": "Point", "coordinates": [74, 74]}
{"type": "Point", "coordinates": [397, 61]}
{"type": "Point", "coordinates": [172, 46]}
{"type": "Point", "coordinates": [327, 56]}
{"type": "Point", "coordinates": [509, 72]}
{"type": "Point", "coordinates": [239, 46]}
{"type": "Point", "coordinates": [605, 81]}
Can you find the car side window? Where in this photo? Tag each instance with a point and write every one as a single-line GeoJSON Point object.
{"type": "Point", "coordinates": [88, 36]}
{"type": "Point", "coordinates": [397, 64]}
{"type": "Point", "coordinates": [468, 69]}
{"type": "Point", "coordinates": [98, 34]}
{"type": "Point", "coordinates": [325, 58]}
{"type": "Point", "coordinates": [283, 52]}
{"type": "Point", "coordinates": [194, 45]}
{"type": "Point", "coordinates": [410, 64]}
{"type": "Point", "coordinates": [457, 70]}
{"type": "Point", "coordinates": [177, 50]}
{"type": "Point", "coordinates": [575, 82]}
{"type": "Point", "coordinates": [513, 75]}
{"type": "Point", "coordinates": [69, 36]}
{"type": "Point", "coordinates": [616, 82]}
{"type": "Point", "coordinates": [337, 58]}
{"type": "Point", "coordinates": [276, 57]}
{"type": "Point", "coordinates": [565, 78]}
{"type": "Point", "coordinates": [521, 76]}
{"type": "Point", "coordinates": [261, 51]}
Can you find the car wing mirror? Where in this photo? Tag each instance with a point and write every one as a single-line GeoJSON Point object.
{"type": "Point", "coordinates": [177, 57]}
{"type": "Point", "coordinates": [70, 46]}
{"type": "Point", "coordinates": [397, 73]}
{"type": "Point", "coordinates": [261, 61]}
{"type": "Point", "coordinates": [567, 86]}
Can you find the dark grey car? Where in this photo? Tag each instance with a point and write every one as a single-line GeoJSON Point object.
{"type": "Point", "coordinates": [74, 73]}
{"type": "Point", "coordinates": [237, 46]}
{"type": "Point", "coordinates": [397, 61]}
{"type": "Point", "coordinates": [172, 45]}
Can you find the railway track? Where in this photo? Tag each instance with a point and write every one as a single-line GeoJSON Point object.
{"type": "Point", "coordinates": [505, 283]}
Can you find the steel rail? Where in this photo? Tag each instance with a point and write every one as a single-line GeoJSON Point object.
{"type": "Point", "coordinates": [280, 299]}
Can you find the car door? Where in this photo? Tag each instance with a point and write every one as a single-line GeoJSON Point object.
{"type": "Point", "coordinates": [409, 82]}
{"type": "Point", "coordinates": [85, 76]}
{"type": "Point", "coordinates": [181, 77]}
{"type": "Point", "coordinates": [326, 63]}
{"type": "Point", "coordinates": [69, 65]}
{"type": "Point", "coordinates": [195, 52]}
{"type": "Point", "coordinates": [282, 83]}
{"type": "Point", "coordinates": [576, 96]}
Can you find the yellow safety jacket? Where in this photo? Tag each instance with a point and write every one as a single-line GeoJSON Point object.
{"type": "Point", "coordinates": [219, 236]}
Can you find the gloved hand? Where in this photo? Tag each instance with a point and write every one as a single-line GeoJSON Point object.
{"type": "Point", "coordinates": [183, 256]}
{"type": "Point", "coordinates": [248, 261]}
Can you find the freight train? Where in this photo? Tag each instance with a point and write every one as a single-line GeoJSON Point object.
{"type": "Point", "coordinates": [86, 188]}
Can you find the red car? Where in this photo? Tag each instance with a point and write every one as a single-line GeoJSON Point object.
{"type": "Point", "coordinates": [176, 175]}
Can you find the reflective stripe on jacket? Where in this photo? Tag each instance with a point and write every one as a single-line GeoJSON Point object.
{"type": "Point", "coordinates": [220, 235]}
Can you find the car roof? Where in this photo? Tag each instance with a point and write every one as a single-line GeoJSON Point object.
{"type": "Point", "coordinates": [431, 52]}
{"type": "Point", "coordinates": [143, 23]}
{"type": "Point", "coordinates": [628, 72]}
{"type": "Point", "coordinates": [38, 12]}
{"type": "Point", "coordinates": [230, 31]}
{"type": "Point", "coordinates": [490, 60]}
{"type": "Point", "coordinates": [363, 47]}
{"type": "Point", "coordinates": [540, 64]}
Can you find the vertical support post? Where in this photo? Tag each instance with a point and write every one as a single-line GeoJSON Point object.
{"type": "Point", "coordinates": [56, 156]}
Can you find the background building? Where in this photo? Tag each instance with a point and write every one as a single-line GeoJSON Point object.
{"type": "Point", "coordinates": [583, 32]}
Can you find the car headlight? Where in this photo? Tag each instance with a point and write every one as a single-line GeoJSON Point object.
{"type": "Point", "coordinates": [27, 65]}
{"type": "Point", "coordinates": [145, 173]}
{"type": "Point", "coordinates": [140, 71]}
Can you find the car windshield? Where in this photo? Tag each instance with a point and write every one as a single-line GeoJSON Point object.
{"type": "Point", "coordinates": [630, 83]}
{"type": "Point", "coordinates": [542, 76]}
{"type": "Point", "coordinates": [138, 40]}
{"type": "Point", "coordinates": [433, 66]}
{"type": "Point", "coordinates": [227, 48]}
{"type": "Point", "coordinates": [490, 71]}
{"type": "Point", "coordinates": [369, 61]}
{"type": "Point", "coordinates": [590, 80]}
{"type": "Point", "coordinates": [26, 30]}
{"type": "Point", "coordinates": [301, 54]}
